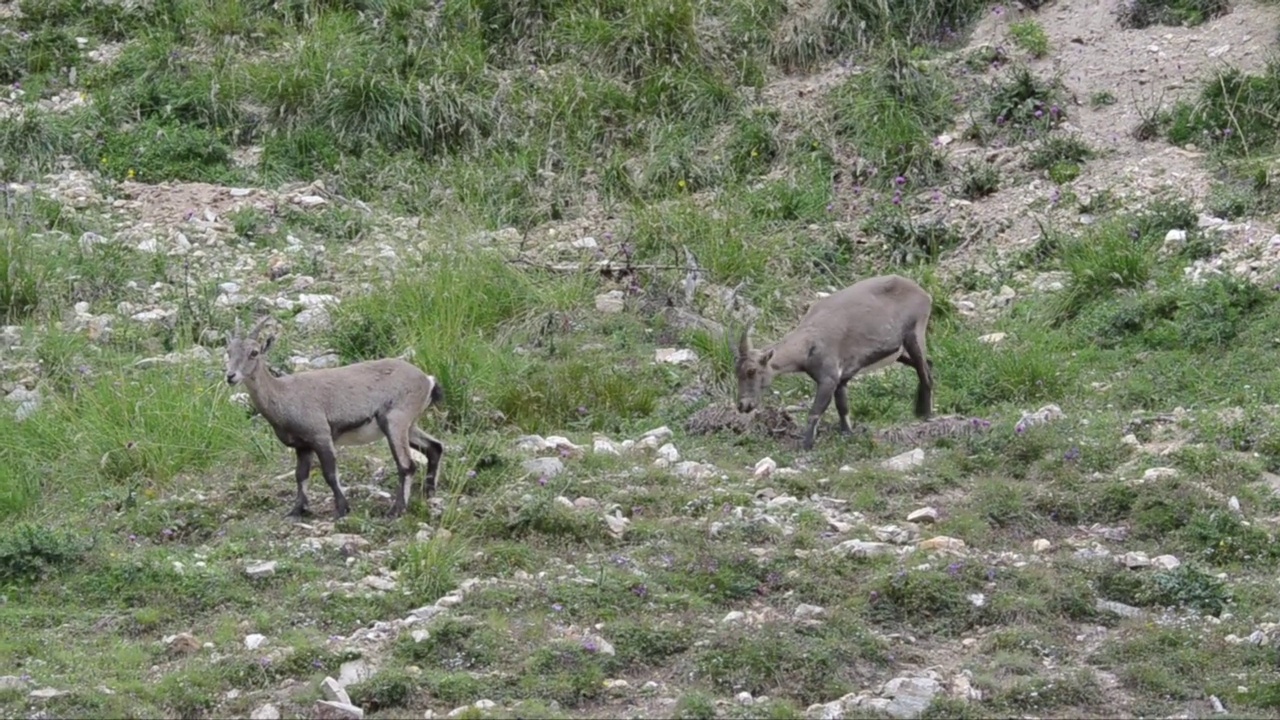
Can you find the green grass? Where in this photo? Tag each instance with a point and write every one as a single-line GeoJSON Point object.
{"type": "Point", "coordinates": [449, 139]}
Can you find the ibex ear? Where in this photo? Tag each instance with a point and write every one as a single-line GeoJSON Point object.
{"type": "Point", "coordinates": [766, 356]}
{"type": "Point", "coordinates": [266, 344]}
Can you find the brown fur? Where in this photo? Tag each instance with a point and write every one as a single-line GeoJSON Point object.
{"type": "Point", "coordinates": [865, 326]}
{"type": "Point", "coordinates": [314, 412]}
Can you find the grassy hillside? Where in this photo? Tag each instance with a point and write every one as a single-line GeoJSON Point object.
{"type": "Point", "coordinates": [534, 200]}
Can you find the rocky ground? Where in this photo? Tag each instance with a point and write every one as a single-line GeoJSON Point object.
{"type": "Point", "coordinates": [1081, 534]}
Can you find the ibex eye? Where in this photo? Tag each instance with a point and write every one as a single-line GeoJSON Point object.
{"type": "Point", "coordinates": [253, 353]}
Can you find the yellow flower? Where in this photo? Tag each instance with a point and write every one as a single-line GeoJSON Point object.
{"type": "Point", "coordinates": [132, 174]}
{"type": "Point", "coordinates": [754, 153]}
{"type": "Point", "coordinates": [680, 184]}
{"type": "Point", "coordinates": [103, 160]}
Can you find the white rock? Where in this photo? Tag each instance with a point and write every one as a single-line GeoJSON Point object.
{"type": "Point", "coordinates": [611, 302]}
{"type": "Point", "coordinates": [924, 515]}
{"type": "Point", "coordinates": [602, 646]}
{"type": "Point", "coordinates": [265, 712]}
{"type": "Point", "coordinates": [1165, 562]}
{"type": "Point", "coordinates": [332, 690]}
{"type": "Point", "coordinates": [804, 610]}
{"type": "Point", "coordinates": [1159, 473]}
{"type": "Point", "coordinates": [744, 698]}
{"type": "Point", "coordinates": [420, 635]}
{"type": "Point", "coordinates": [262, 569]}
{"type": "Point", "coordinates": [1041, 545]}
{"type": "Point", "coordinates": [378, 582]}
{"type": "Point", "coordinates": [659, 434]}
{"type": "Point", "coordinates": [544, 466]}
{"type": "Point", "coordinates": [46, 693]}
{"type": "Point", "coordinates": [905, 461]}
{"type": "Point", "coordinates": [669, 453]}
{"type": "Point", "coordinates": [1175, 236]}
{"type": "Point", "coordinates": [674, 356]}
{"type": "Point", "coordinates": [909, 696]}
{"type": "Point", "coordinates": [12, 682]}
{"type": "Point", "coordinates": [354, 671]}
{"type": "Point", "coordinates": [733, 616]}
{"type": "Point", "coordinates": [330, 710]}
{"type": "Point", "coordinates": [453, 599]}
{"type": "Point", "coordinates": [862, 548]}
{"type": "Point", "coordinates": [310, 200]}
{"type": "Point", "coordinates": [1135, 559]}
{"type": "Point", "coordinates": [992, 338]}
{"type": "Point", "coordinates": [604, 446]}
{"type": "Point", "coordinates": [617, 524]}
{"type": "Point", "coordinates": [254, 641]}
{"type": "Point", "coordinates": [764, 468]}
{"type": "Point", "coordinates": [313, 319]}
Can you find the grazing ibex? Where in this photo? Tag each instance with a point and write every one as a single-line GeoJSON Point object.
{"type": "Point", "coordinates": [865, 326]}
{"type": "Point", "coordinates": [313, 412]}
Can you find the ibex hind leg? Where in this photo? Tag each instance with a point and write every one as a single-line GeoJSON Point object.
{"type": "Point", "coordinates": [914, 346]}
{"type": "Point", "coordinates": [424, 443]}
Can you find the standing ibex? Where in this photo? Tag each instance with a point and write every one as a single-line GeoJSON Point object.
{"type": "Point", "coordinates": [865, 326]}
{"type": "Point", "coordinates": [315, 411]}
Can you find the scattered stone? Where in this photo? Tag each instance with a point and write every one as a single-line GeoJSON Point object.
{"type": "Point", "coordinates": [265, 712]}
{"type": "Point", "coordinates": [453, 599]}
{"type": "Point", "coordinates": [378, 582]}
{"type": "Point", "coordinates": [420, 635]}
{"type": "Point", "coordinates": [611, 302]}
{"type": "Point", "coordinates": [604, 446]}
{"type": "Point", "coordinates": [923, 515]}
{"type": "Point", "coordinates": [764, 468]}
{"type": "Point", "coordinates": [334, 691]}
{"type": "Point", "coordinates": [1118, 608]}
{"type": "Point", "coordinates": [1257, 637]}
{"type": "Point", "coordinates": [261, 570]}
{"type": "Point", "coordinates": [669, 454]}
{"type": "Point", "coordinates": [905, 461]}
{"type": "Point", "coordinates": [894, 534]}
{"type": "Point", "coordinates": [12, 682]}
{"type": "Point", "coordinates": [942, 542]}
{"type": "Point", "coordinates": [909, 696]}
{"type": "Point", "coordinates": [595, 643]}
{"type": "Point", "coordinates": [1165, 562]}
{"type": "Point", "coordinates": [354, 671]}
{"type": "Point", "coordinates": [254, 641]}
{"type": "Point", "coordinates": [733, 616]}
{"type": "Point", "coordinates": [1159, 473]}
{"type": "Point", "coordinates": [805, 611]}
{"type": "Point", "coordinates": [548, 467]}
{"type": "Point", "coordinates": [330, 710]}
{"type": "Point", "coordinates": [862, 548]}
{"type": "Point", "coordinates": [1135, 560]}
{"type": "Point", "coordinates": [673, 356]}
{"type": "Point", "coordinates": [617, 525]}
{"type": "Point", "coordinates": [992, 338]}
{"type": "Point", "coordinates": [744, 698]}
{"type": "Point", "coordinates": [1046, 414]}
{"type": "Point", "coordinates": [1041, 545]}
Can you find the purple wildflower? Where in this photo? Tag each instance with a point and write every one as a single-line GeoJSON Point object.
{"type": "Point", "coordinates": [557, 607]}
{"type": "Point", "coordinates": [1072, 455]}
{"type": "Point", "coordinates": [542, 481]}
{"type": "Point", "coordinates": [900, 180]}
